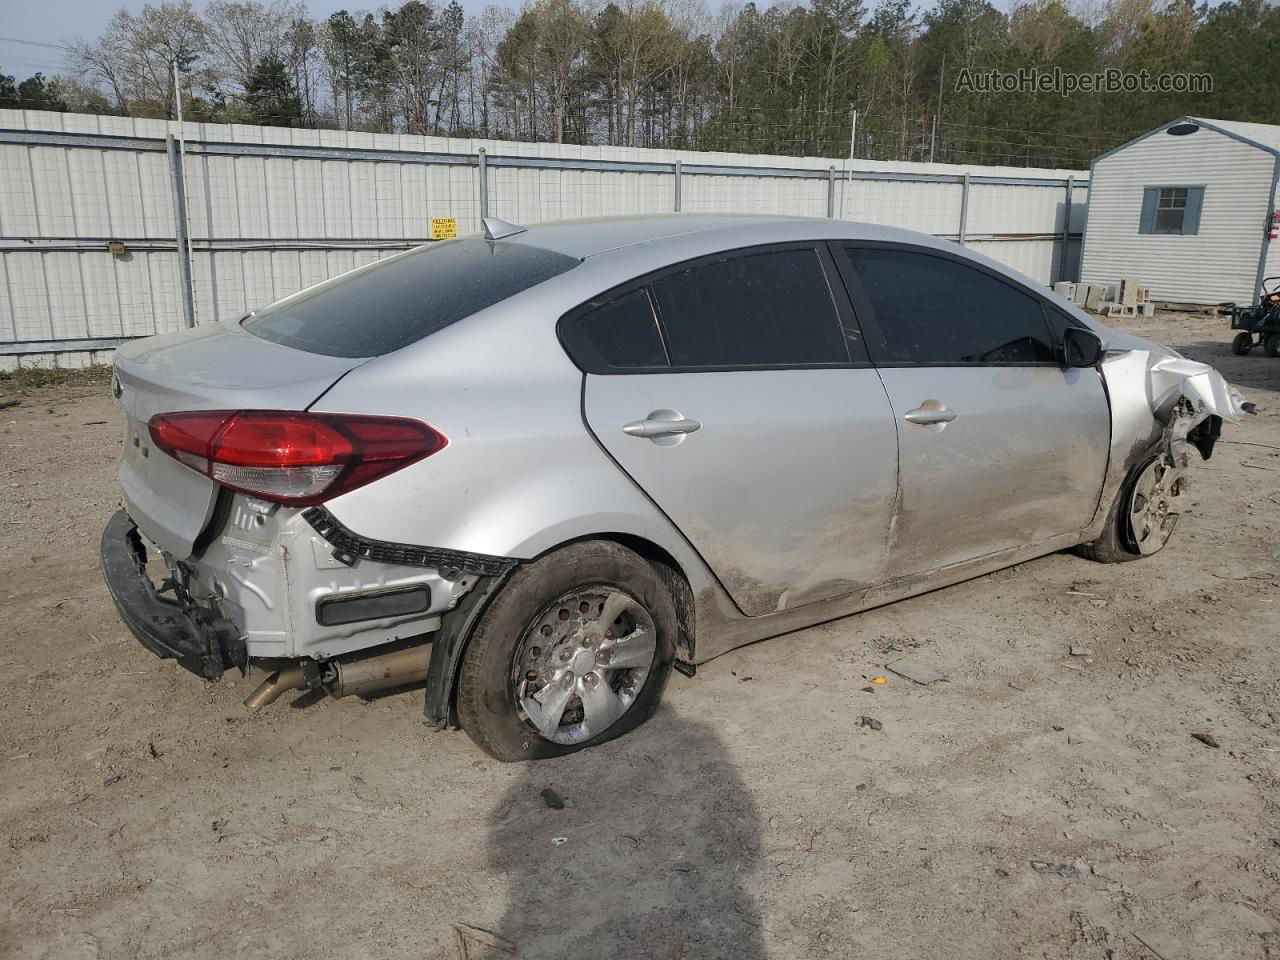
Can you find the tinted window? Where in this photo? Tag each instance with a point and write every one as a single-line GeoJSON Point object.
{"type": "Point", "coordinates": [934, 310]}
{"type": "Point", "coordinates": [406, 297]}
{"type": "Point", "coordinates": [757, 309]}
{"type": "Point", "coordinates": [624, 333]}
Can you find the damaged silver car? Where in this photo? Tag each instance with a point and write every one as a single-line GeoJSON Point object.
{"type": "Point", "coordinates": [540, 468]}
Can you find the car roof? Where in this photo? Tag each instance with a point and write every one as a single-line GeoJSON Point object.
{"type": "Point", "coordinates": [626, 246]}
{"type": "Point", "coordinates": [592, 236]}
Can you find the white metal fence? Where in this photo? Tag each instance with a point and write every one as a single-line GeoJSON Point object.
{"type": "Point", "coordinates": [112, 228]}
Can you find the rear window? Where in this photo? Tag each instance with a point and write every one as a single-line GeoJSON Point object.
{"type": "Point", "coordinates": [624, 333]}
{"type": "Point", "coordinates": [404, 298]}
{"type": "Point", "coordinates": [770, 308]}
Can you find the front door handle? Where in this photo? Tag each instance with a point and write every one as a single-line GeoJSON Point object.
{"type": "Point", "coordinates": [653, 428]}
{"type": "Point", "coordinates": [930, 413]}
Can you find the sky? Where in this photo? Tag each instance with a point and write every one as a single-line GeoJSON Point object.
{"type": "Point", "coordinates": [59, 21]}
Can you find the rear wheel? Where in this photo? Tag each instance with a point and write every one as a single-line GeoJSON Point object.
{"type": "Point", "coordinates": [1142, 517]}
{"type": "Point", "coordinates": [1242, 343]}
{"type": "Point", "coordinates": [1272, 344]}
{"type": "Point", "coordinates": [575, 650]}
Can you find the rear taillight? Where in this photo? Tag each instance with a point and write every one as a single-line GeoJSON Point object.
{"type": "Point", "coordinates": [293, 458]}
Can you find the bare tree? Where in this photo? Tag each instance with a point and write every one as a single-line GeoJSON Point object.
{"type": "Point", "coordinates": [301, 52]}
{"type": "Point", "coordinates": [241, 33]}
{"type": "Point", "coordinates": [413, 40]}
{"type": "Point", "coordinates": [561, 30]}
{"type": "Point", "coordinates": [134, 56]}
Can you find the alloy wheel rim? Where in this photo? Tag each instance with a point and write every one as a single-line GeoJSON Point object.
{"type": "Point", "coordinates": [582, 662]}
{"type": "Point", "coordinates": [1152, 507]}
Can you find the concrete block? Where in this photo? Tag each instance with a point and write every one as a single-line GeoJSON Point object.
{"type": "Point", "coordinates": [1079, 294]}
{"type": "Point", "coordinates": [1094, 298]}
{"type": "Point", "coordinates": [1147, 309]}
{"type": "Point", "coordinates": [1128, 292]}
{"type": "Point", "coordinates": [1065, 289]}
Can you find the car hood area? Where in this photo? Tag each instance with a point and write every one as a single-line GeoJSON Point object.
{"type": "Point", "coordinates": [1171, 378]}
{"type": "Point", "coordinates": [1168, 380]}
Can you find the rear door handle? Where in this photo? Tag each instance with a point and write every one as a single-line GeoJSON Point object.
{"type": "Point", "coordinates": [930, 412]}
{"type": "Point", "coordinates": [653, 428]}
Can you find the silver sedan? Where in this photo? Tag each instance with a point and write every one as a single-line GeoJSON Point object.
{"type": "Point", "coordinates": [540, 468]}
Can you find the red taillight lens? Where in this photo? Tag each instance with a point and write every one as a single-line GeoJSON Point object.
{"type": "Point", "coordinates": [293, 458]}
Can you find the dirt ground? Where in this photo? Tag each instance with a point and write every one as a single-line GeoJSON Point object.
{"type": "Point", "coordinates": [1037, 804]}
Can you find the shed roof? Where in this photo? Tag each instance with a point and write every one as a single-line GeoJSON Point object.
{"type": "Point", "coordinates": [1264, 136]}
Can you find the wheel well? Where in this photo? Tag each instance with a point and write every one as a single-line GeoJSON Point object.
{"type": "Point", "coordinates": [672, 577]}
{"type": "Point", "coordinates": [442, 680]}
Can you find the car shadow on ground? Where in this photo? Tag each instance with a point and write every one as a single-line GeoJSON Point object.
{"type": "Point", "coordinates": [650, 856]}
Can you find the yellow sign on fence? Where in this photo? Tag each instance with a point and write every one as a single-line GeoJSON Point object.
{"type": "Point", "coordinates": [442, 228]}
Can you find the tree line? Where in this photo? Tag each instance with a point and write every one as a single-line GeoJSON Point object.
{"type": "Point", "coordinates": [784, 79]}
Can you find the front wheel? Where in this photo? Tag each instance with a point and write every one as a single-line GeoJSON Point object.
{"type": "Point", "coordinates": [575, 650]}
{"type": "Point", "coordinates": [1142, 517]}
{"type": "Point", "coordinates": [1272, 344]}
{"type": "Point", "coordinates": [1242, 343]}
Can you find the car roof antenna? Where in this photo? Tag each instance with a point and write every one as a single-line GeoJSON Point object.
{"type": "Point", "coordinates": [495, 229]}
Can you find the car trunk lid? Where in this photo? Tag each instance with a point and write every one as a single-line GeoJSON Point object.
{"type": "Point", "coordinates": [215, 367]}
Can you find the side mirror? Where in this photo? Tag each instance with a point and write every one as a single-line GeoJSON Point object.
{"type": "Point", "coordinates": [1081, 348]}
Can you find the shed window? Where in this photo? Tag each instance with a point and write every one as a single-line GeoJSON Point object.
{"type": "Point", "coordinates": [1171, 210]}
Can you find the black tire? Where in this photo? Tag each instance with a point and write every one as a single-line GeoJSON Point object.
{"type": "Point", "coordinates": [1115, 544]}
{"type": "Point", "coordinates": [487, 705]}
{"type": "Point", "coordinates": [1272, 344]}
{"type": "Point", "coordinates": [1242, 343]}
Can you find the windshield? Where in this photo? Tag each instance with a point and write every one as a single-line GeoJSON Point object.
{"type": "Point", "coordinates": [404, 298]}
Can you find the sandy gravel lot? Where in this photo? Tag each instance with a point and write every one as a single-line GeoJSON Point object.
{"type": "Point", "coordinates": [147, 815]}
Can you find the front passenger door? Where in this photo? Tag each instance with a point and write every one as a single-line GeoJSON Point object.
{"type": "Point", "coordinates": [1000, 446]}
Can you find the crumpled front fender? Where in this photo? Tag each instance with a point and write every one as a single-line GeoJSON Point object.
{"type": "Point", "coordinates": [1172, 378]}
{"type": "Point", "coordinates": [1157, 399]}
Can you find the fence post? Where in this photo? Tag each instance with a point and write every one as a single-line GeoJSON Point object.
{"type": "Point", "coordinates": [1066, 229]}
{"type": "Point", "coordinates": [484, 186]}
{"type": "Point", "coordinates": [180, 231]}
{"type": "Point", "coordinates": [677, 197]}
{"type": "Point", "coordinates": [831, 192]}
{"type": "Point", "coordinates": [964, 207]}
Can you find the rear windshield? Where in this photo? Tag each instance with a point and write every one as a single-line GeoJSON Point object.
{"type": "Point", "coordinates": [404, 298]}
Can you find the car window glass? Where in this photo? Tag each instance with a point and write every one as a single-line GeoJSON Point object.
{"type": "Point", "coordinates": [751, 310]}
{"type": "Point", "coordinates": [624, 333]}
{"type": "Point", "coordinates": [934, 310]}
{"type": "Point", "coordinates": [404, 298]}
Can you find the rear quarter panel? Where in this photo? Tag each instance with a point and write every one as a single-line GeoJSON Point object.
{"type": "Point", "coordinates": [521, 474]}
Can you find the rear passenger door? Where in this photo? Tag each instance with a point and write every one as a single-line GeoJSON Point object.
{"type": "Point", "coordinates": [1000, 445]}
{"type": "Point", "coordinates": [732, 392]}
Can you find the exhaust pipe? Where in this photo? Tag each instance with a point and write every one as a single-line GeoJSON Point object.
{"type": "Point", "coordinates": [269, 691]}
{"type": "Point", "coordinates": [357, 677]}
{"type": "Point", "coordinates": [350, 677]}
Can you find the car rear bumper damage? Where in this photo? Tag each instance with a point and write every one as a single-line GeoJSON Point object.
{"type": "Point", "coordinates": [199, 639]}
{"type": "Point", "coordinates": [314, 603]}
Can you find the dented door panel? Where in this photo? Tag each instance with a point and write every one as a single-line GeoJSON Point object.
{"type": "Point", "coordinates": [1021, 462]}
{"type": "Point", "coordinates": [785, 489]}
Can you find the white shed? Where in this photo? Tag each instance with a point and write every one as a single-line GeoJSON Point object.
{"type": "Point", "coordinates": [1189, 210]}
